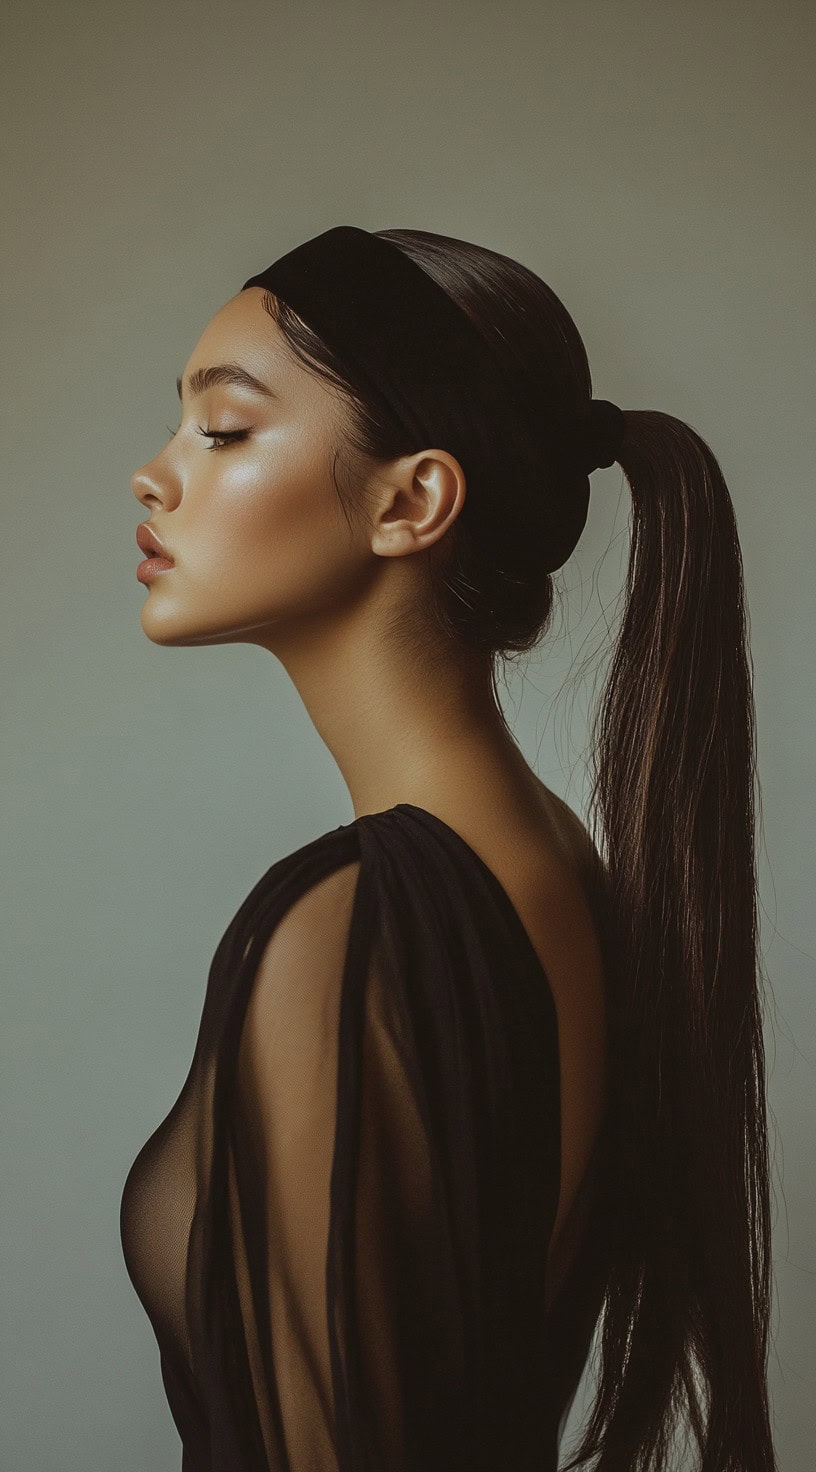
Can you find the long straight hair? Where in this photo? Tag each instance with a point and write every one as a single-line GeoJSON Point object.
{"type": "Point", "coordinates": [685, 1319]}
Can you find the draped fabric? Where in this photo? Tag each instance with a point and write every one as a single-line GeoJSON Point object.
{"type": "Point", "coordinates": [339, 1231]}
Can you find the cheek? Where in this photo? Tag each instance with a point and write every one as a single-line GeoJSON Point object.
{"type": "Point", "coordinates": [277, 536]}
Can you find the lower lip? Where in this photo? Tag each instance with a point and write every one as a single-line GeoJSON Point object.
{"type": "Point", "coordinates": [151, 566]}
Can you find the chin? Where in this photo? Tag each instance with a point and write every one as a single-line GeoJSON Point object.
{"type": "Point", "coordinates": [169, 629]}
{"type": "Point", "coordinates": [172, 629]}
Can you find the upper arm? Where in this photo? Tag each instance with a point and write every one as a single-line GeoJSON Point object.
{"type": "Point", "coordinates": [286, 1089]}
{"type": "Point", "coordinates": [379, 1245]}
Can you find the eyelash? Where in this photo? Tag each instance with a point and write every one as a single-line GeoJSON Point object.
{"type": "Point", "coordinates": [230, 436]}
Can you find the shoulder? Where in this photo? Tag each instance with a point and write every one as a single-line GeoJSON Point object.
{"type": "Point", "coordinates": [316, 918]}
{"type": "Point", "coordinates": [392, 916]}
{"type": "Point", "coordinates": [302, 963]}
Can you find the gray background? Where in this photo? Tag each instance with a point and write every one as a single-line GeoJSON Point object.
{"type": "Point", "coordinates": [654, 164]}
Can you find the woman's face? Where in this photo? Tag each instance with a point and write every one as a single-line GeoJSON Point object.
{"type": "Point", "coordinates": [254, 526]}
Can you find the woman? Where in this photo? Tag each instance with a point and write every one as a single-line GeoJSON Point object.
{"type": "Point", "coordinates": [462, 1088]}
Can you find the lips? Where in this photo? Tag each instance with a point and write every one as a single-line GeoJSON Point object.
{"type": "Point", "coordinates": [149, 543]}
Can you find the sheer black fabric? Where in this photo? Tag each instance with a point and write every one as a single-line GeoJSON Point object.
{"type": "Point", "coordinates": [339, 1231]}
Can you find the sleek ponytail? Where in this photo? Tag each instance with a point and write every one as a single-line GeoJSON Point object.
{"type": "Point", "coordinates": [674, 789]}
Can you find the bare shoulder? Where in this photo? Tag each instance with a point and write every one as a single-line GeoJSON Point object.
{"type": "Point", "coordinates": [566, 829]}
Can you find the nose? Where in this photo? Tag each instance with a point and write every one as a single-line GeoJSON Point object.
{"type": "Point", "coordinates": [146, 486]}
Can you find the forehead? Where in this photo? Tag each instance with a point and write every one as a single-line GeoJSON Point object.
{"type": "Point", "coordinates": [242, 332]}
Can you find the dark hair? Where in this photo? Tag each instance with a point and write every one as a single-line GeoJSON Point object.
{"type": "Point", "coordinates": [674, 766]}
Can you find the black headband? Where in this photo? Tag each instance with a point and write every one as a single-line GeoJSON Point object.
{"type": "Point", "coordinates": [404, 342]}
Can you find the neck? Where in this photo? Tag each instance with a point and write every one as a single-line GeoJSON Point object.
{"type": "Point", "coordinates": [403, 722]}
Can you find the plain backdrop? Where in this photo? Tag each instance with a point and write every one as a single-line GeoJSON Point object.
{"type": "Point", "coordinates": [655, 165]}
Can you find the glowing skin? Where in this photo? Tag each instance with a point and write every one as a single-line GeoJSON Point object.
{"type": "Point", "coordinates": [255, 527]}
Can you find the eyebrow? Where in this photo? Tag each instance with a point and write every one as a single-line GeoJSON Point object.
{"type": "Point", "coordinates": [220, 373]}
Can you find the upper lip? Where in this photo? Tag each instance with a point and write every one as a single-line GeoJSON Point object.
{"type": "Point", "coordinates": [149, 542]}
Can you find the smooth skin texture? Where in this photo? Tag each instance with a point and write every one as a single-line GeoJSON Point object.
{"type": "Point", "coordinates": [264, 554]}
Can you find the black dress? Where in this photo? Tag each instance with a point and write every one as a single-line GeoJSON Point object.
{"type": "Point", "coordinates": [339, 1231]}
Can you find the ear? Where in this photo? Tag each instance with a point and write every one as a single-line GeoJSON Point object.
{"type": "Point", "coordinates": [420, 496]}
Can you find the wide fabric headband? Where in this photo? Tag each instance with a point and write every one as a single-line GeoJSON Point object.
{"type": "Point", "coordinates": [409, 347]}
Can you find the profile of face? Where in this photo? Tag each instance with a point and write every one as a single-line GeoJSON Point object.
{"type": "Point", "coordinates": [259, 539]}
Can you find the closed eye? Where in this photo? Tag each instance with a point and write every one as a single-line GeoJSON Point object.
{"type": "Point", "coordinates": [228, 436]}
